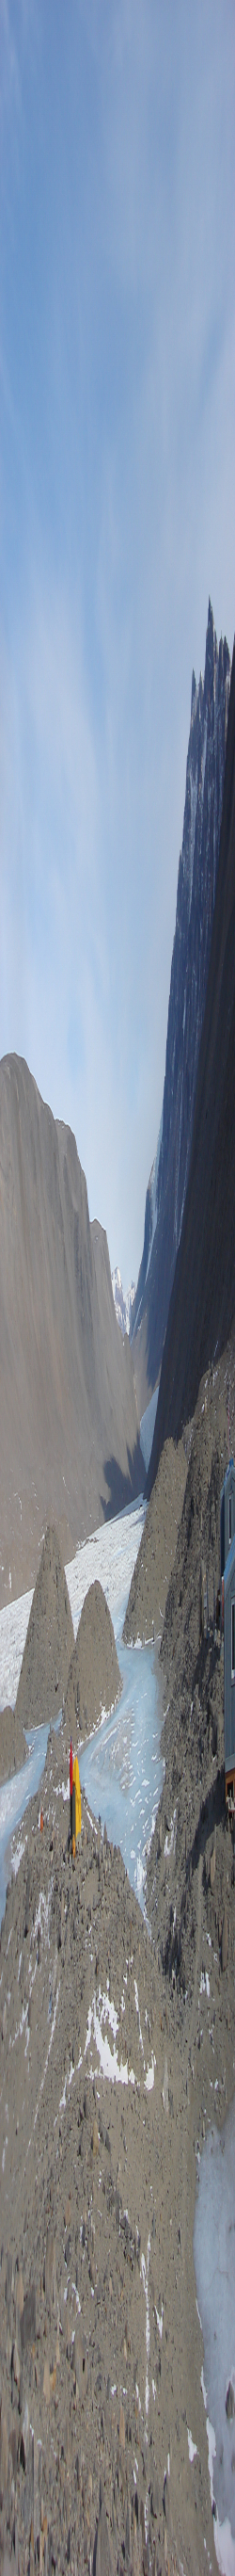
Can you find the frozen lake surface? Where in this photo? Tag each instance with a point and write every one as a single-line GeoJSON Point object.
{"type": "Point", "coordinates": [214, 2257]}
{"type": "Point", "coordinates": [121, 1766]}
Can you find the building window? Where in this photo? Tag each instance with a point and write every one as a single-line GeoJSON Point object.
{"type": "Point", "coordinates": [230, 1520]}
{"type": "Point", "coordinates": [233, 1641]}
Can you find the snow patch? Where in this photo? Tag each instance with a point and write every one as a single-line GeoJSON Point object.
{"type": "Point", "coordinates": [149, 2078]}
{"type": "Point", "coordinates": [192, 2446]}
{"type": "Point", "coordinates": [101, 2010]}
{"type": "Point", "coordinates": [169, 1844]}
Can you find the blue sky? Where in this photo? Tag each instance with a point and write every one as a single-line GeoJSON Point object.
{"type": "Point", "coordinates": [117, 377]}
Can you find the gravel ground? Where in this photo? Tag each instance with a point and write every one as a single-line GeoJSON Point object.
{"type": "Point", "coordinates": [115, 2054]}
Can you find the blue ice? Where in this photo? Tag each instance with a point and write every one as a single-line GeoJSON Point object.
{"type": "Point", "coordinates": [124, 1793]}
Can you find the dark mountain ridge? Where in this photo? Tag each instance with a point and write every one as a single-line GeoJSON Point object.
{"type": "Point", "coordinates": [202, 1303]}
{"type": "Point", "coordinates": [197, 875]}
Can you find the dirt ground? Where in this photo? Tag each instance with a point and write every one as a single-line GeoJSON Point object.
{"type": "Point", "coordinates": [115, 2051]}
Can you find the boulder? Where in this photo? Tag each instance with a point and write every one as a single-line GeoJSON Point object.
{"type": "Point", "coordinates": [230, 2402]}
{"type": "Point", "coordinates": [80, 2362]}
{"type": "Point", "coordinates": [224, 1942]}
{"type": "Point", "coordinates": [46, 2383]}
{"type": "Point", "coordinates": [25, 2436]}
{"type": "Point", "coordinates": [165, 2089]}
{"type": "Point", "coordinates": [155, 2498]}
{"type": "Point", "coordinates": [28, 2319]}
{"type": "Point", "coordinates": [16, 2365]}
{"type": "Point", "coordinates": [95, 2138]}
{"type": "Point", "coordinates": [3, 2447]}
{"type": "Point", "coordinates": [19, 2292]}
{"type": "Point", "coordinates": [50, 2272]}
{"type": "Point", "coordinates": [102, 2559]}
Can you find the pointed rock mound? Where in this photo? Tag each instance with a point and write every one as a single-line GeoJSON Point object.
{"type": "Point", "coordinates": [49, 1641]}
{"type": "Point", "coordinates": [94, 1681]}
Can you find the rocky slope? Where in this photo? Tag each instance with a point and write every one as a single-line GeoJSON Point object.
{"type": "Point", "coordinates": [114, 2050]}
{"type": "Point", "coordinates": [100, 2343]}
{"type": "Point", "coordinates": [69, 1429]}
{"type": "Point", "coordinates": [194, 916]}
{"type": "Point", "coordinates": [203, 1295]}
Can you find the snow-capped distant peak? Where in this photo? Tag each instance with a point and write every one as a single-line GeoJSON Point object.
{"type": "Point", "coordinates": [123, 1304]}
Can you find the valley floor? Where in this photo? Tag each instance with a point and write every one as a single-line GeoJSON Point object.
{"type": "Point", "coordinates": [117, 2050]}
{"type": "Point", "coordinates": [97, 2175]}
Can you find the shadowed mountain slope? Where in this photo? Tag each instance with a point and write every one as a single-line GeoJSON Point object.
{"type": "Point", "coordinates": [189, 971]}
{"type": "Point", "coordinates": [69, 1426]}
{"type": "Point", "coordinates": [203, 1294]}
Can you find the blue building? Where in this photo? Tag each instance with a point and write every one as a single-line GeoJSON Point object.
{"type": "Point", "coordinates": [227, 1514]}
{"type": "Point", "coordinates": [229, 1671]}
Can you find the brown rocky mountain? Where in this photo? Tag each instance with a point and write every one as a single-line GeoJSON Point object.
{"type": "Point", "coordinates": [202, 1303]}
{"type": "Point", "coordinates": [69, 1427]}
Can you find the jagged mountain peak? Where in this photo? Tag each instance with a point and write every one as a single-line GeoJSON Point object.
{"type": "Point", "coordinates": [193, 695]}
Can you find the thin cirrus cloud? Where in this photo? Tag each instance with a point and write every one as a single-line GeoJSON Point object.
{"type": "Point", "coordinates": [117, 355]}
